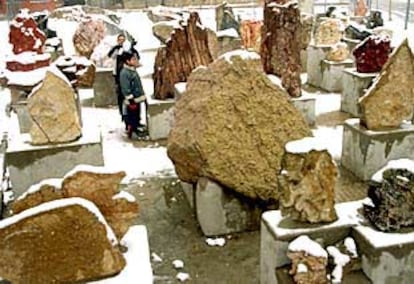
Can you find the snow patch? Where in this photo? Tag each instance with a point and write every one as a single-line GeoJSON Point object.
{"type": "Point", "coordinates": [178, 264]}
{"type": "Point", "coordinates": [394, 164]}
{"type": "Point", "coordinates": [216, 242]}
{"type": "Point", "coordinates": [244, 54]}
{"type": "Point", "coordinates": [310, 247]}
{"type": "Point", "coordinates": [124, 195]}
{"type": "Point", "coordinates": [305, 145]}
{"type": "Point", "coordinates": [56, 182]}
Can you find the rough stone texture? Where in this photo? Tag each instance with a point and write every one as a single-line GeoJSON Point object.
{"type": "Point", "coordinates": [316, 268]}
{"type": "Point", "coordinates": [85, 75]}
{"type": "Point", "coordinates": [53, 110]}
{"type": "Point", "coordinates": [371, 54]}
{"type": "Point", "coordinates": [390, 99]}
{"type": "Point", "coordinates": [187, 49]}
{"type": "Point", "coordinates": [361, 8]}
{"type": "Point", "coordinates": [306, 21]}
{"type": "Point", "coordinates": [339, 52]}
{"type": "Point", "coordinates": [393, 201]}
{"type": "Point", "coordinates": [65, 244]}
{"type": "Point", "coordinates": [162, 30]}
{"type": "Point", "coordinates": [281, 44]}
{"type": "Point", "coordinates": [225, 18]}
{"type": "Point", "coordinates": [250, 34]}
{"type": "Point", "coordinates": [87, 36]}
{"type": "Point", "coordinates": [213, 44]}
{"type": "Point", "coordinates": [228, 43]}
{"type": "Point", "coordinates": [329, 32]}
{"type": "Point", "coordinates": [308, 186]}
{"type": "Point", "coordinates": [231, 126]}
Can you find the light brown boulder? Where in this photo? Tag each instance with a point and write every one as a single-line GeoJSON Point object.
{"type": "Point", "coordinates": [163, 30]}
{"type": "Point", "coordinates": [52, 109]}
{"type": "Point", "coordinates": [88, 35]}
{"type": "Point", "coordinates": [339, 52]}
{"type": "Point", "coordinates": [62, 241]}
{"type": "Point", "coordinates": [390, 99]}
{"type": "Point", "coordinates": [231, 126]}
{"type": "Point", "coordinates": [307, 183]}
{"type": "Point", "coordinates": [329, 32]}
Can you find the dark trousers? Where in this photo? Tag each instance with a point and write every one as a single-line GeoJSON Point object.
{"type": "Point", "coordinates": [133, 115]}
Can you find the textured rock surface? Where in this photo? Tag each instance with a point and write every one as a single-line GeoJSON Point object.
{"type": "Point", "coordinates": [52, 108]}
{"type": "Point", "coordinates": [308, 183]}
{"type": "Point", "coordinates": [281, 43]}
{"type": "Point", "coordinates": [231, 125]}
{"type": "Point", "coordinates": [162, 30]}
{"type": "Point", "coordinates": [390, 99]}
{"type": "Point", "coordinates": [64, 244]}
{"type": "Point", "coordinates": [339, 52]}
{"type": "Point", "coordinates": [85, 75]}
{"type": "Point", "coordinates": [250, 34]}
{"type": "Point", "coordinates": [187, 49]}
{"type": "Point", "coordinates": [87, 36]}
{"type": "Point", "coordinates": [361, 8]}
{"type": "Point", "coordinates": [393, 201]}
{"type": "Point", "coordinates": [329, 32]}
{"type": "Point", "coordinates": [371, 54]}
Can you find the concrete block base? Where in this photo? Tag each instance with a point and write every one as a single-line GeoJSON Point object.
{"type": "Point", "coordinates": [23, 117]}
{"type": "Point", "coordinates": [364, 152]}
{"type": "Point", "coordinates": [387, 258]}
{"type": "Point", "coordinates": [220, 211]}
{"type": "Point", "coordinates": [160, 118]}
{"type": "Point", "coordinates": [315, 55]}
{"type": "Point", "coordinates": [354, 85]}
{"type": "Point", "coordinates": [306, 105]}
{"type": "Point", "coordinates": [189, 192]}
{"type": "Point", "coordinates": [29, 164]}
{"type": "Point", "coordinates": [104, 88]}
{"type": "Point", "coordinates": [332, 74]}
{"type": "Point", "coordinates": [277, 232]}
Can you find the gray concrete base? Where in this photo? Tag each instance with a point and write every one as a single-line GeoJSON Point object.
{"type": "Point", "coordinates": [23, 117]}
{"type": "Point", "coordinates": [354, 85]}
{"type": "Point", "coordinates": [189, 192]}
{"type": "Point", "coordinates": [306, 105]}
{"type": "Point", "coordinates": [220, 211]}
{"type": "Point", "coordinates": [364, 152]}
{"type": "Point", "coordinates": [315, 55]}
{"type": "Point", "coordinates": [277, 232]}
{"type": "Point", "coordinates": [104, 88]}
{"type": "Point", "coordinates": [332, 74]}
{"type": "Point", "coordinates": [30, 164]}
{"type": "Point", "coordinates": [387, 258]}
{"type": "Point", "coordinates": [160, 118]}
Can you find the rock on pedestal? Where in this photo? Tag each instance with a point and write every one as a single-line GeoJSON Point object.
{"type": "Point", "coordinates": [104, 88]}
{"type": "Point", "coordinates": [354, 85]}
{"type": "Point", "coordinates": [332, 74]}
{"type": "Point", "coordinates": [220, 211]}
{"type": "Point", "coordinates": [160, 118]}
{"type": "Point", "coordinates": [364, 152]}
{"type": "Point", "coordinates": [315, 55]}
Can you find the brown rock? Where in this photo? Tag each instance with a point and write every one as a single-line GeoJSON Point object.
{"type": "Point", "coordinates": [250, 31]}
{"type": "Point", "coordinates": [187, 49]}
{"type": "Point", "coordinates": [339, 52]}
{"type": "Point", "coordinates": [59, 242]}
{"type": "Point", "coordinates": [163, 30]}
{"type": "Point", "coordinates": [231, 125]}
{"type": "Point", "coordinates": [86, 75]}
{"type": "Point", "coordinates": [308, 184]}
{"type": "Point", "coordinates": [52, 108]}
{"type": "Point", "coordinates": [213, 44]}
{"type": "Point", "coordinates": [87, 36]}
{"type": "Point", "coordinates": [281, 43]}
{"type": "Point", "coordinates": [390, 99]}
{"type": "Point", "coordinates": [329, 32]}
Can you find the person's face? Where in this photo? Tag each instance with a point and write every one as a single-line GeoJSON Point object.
{"type": "Point", "coordinates": [121, 40]}
{"type": "Point", "coordinates": [133, 61]}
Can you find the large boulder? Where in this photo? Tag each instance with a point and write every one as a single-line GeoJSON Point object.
{"type": "Point", "coordinates": [62, 241]}
{"type": "Point", "coordinates": [53, 110]}
{"type": "Point", "coordinates": [87, 36]}
{"type": "Point", "coordinates": [231, 126]}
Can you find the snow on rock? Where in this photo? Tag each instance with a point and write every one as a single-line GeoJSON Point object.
{"type": "Point", "coordinates": [340, 261]}
{"type": "Point", "coordinates": [182, 276]}
{"type": "Point", "coordinates": [228, 33]}
{"type": "Point", "coordinates": [125, 195]}
{"type": "Point", "coordinates": [310, 247]}
{"type": "Point", "coordinates": [394, 164]}
{"type": "Point", "coordinates": [244, 54]}
{"type": "Point", "coordinates": [88, 168]}
{"type": "Point", "coordinates": [306, 145]}
{"type": "Point", "coordinates": [178, 264]}
{"type": "Point", "coordinates": [302, 268]}
{"type": "Point", "coordinates": [55, 182]}
{"type": "Point", "coordinates": [351, 246]}
{"type": "Point", "coordinates": [216, 242]}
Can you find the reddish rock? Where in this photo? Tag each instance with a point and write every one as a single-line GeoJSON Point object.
{"type": "Point", "coordinates": [281, 43]}
{"type": "Point", "coordinates": [371, 54]}
{"type": "Point", "coordinates": [250, 34]}
{"type": "Point", "coordinates": [187, 49]}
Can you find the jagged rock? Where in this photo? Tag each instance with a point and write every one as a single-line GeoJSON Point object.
{"type": "Point", "coordinates": [52, 108]}
{"type": "Point", "coordinates": [393, 200]}
{"type": "Point", "coordinates": [62, 241]}
{"type": "Point", "coordinates": [308, 183]}
{"type": "Point", "coordinates": [329, 32]}
{"type": "Point", "coordinates": [371, 54]}
{"type": "Point", "coordinates": [306, 21]}
{"type": "Point", "coordinates": [225, 18]}
{"type": "Point", "coordinates": [250, 34]}
{"type": "Point", "coordinates": [361, 8]}
{"type": "Point", "coordinates": [339, 52]}
{"type": "Point", "coordinates": [187, 49]}
{"type": "Point", "coordinates": [281, 44]}
{"type": "Point", "coordinates": [163, 30]}
{"type": "Point", "coordinates": [309, 261]}
{"type": "Point", "coordinates": [225, 126]}
{"type": "Point", "coordinates": [390, 99]}
{"type": "Point", "coordinates": [87, 36]}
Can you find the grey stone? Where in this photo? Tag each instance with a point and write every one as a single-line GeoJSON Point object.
{"type": "Point", "coordinates": [160, 118]}
{"type": "Point", "coordinates": [306, 106]}
{"type": "Point", "coordinates": [189, 192]}
{"type": "Point", "coordinates": [364, 152]}
{"type": "Point", "coordinates": [104, 88]}
{"type": "Point", "coordinates": [315, 56]}
{"type": "Point", "coordinates": [332, 74]}
{"type": "Point", "coordinates": [23, 117]}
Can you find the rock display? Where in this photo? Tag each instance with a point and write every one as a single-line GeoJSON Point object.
{"type": "Point", "coordinates": [53, 110]}
{"type": "Point", "coordinates": [78, 70]}
{"type": "Point", "coordinates": [371, 54]}
{"type": "Point", "coordinates": [281, 43]}
{"type": "Point", "coordinates": [339, 52]}
{"type": "Point", "coordinates": [62, 241]}
{"type": "Point", "coordinates": [250, 34]}
{"type": "Point", "coordinates": [390, 99]}
{"type": "Point", "coordinates": [309, 261]}
{"type": "Point", "coordinates": [187, 49]}
{"type": "Point", "coordinates": [361, 8]}
{"type": "Point", "coordinates": [87, 36]}
{"type": "Point", "coordinates": [329, 32]}
{"type": "Point", "coordinates": [393, 200]}
{"type": "Point", "coordinates": [225, 18]}
{"type": "Point", "coordinates": [307, 183]}
{"type": "Point", "coordinates": [231, 125]}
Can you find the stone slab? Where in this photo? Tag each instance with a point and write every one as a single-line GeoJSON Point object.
{"type": "Point", "coordinates": [306, 105]}
{"type": "Point", "coordinates": [364, 152]}
{"type": "Point", "coordinates": [354, 85]}
{"type": "Point", "coordinates": [332, 74]}
{"type": "Point", "coordinates": [387, 258]}
{"type": "Point", "coordinates": [29, 164]}
{"type": "Point", "coordinates": [315, 55]}
{"type": "Point", "coordinates": [160, 118]}
{"type": "Point", "coordinates": [277, 232]}
{"type": "Point", "coordinates": [104, 88]}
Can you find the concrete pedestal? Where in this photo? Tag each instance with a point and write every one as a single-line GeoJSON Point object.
{"type": "Point", "coordinates": [160, 118]}
{"type": "Point", "coordinates": [354, 85]}
{"type": "Point", "coordinates": [104, 88]}
{"type": "Point", "coordinates": [387, 258]}
{"type": "Point", "coordinates": [23, 117]}
{"type": "Point", "coordinates": [315, 55]}
{"type": "Point", "coordinates": [306, 105]}
{"type": "Point", "coordinates": [332, 74]}
{"type": "Point", "coordinates": [364, 152]}
{"type": "Point", "coordinates": [189, 192]}
{"type": "Point", "coordinates": [29, 164]}
{"type": "Point", "coordinates": [351, 43]}
{"type": "Point", "coordinates": [277, 232]}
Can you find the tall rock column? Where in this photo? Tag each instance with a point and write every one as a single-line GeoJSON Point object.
{"type": "Point", "coordinates": [281, 43]}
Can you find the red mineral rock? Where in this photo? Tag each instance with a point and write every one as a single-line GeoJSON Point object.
{"type": "Point", "coordinates": [372, 54]}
